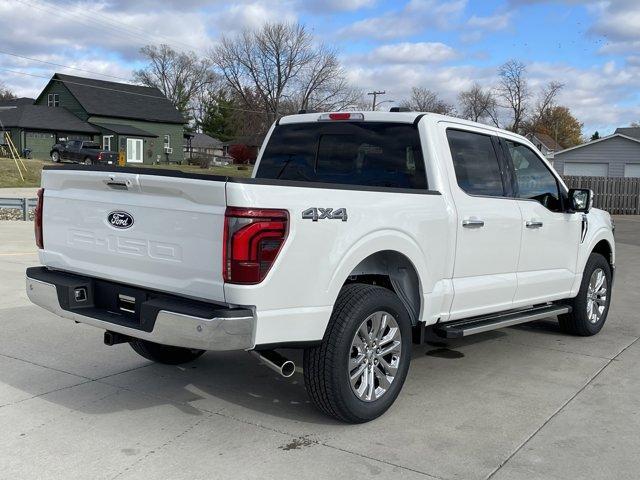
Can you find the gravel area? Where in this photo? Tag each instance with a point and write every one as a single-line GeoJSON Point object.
{"type": "Point", "coordinates": [14, 214]}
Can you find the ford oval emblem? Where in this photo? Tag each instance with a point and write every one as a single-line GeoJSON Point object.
{"type": "Point", "coordinates": [120, 219]}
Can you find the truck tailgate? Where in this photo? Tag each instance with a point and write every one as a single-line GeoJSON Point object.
{"type": "Point", "coordinates": [172, 241]}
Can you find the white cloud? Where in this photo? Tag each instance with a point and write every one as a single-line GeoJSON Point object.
{"type": "Point", "coordinates": [241, 16]}
{"type": "Point", "coordinates": [398, 80]}
{"type": "Point", "coordinates": [418, 52]}
{"type": "Point", "coordinates": [329, 6]}
{"type": "Point", "coordinates": [602, 97]}
{"type": "Point", "coordinates": [46, 29]}
{"type": "Point", "coordinates": [416, 16]}
{"type": "Point", "coordinates": [495, 22]}
{"type": "Point", "coordinates": [619, 22]}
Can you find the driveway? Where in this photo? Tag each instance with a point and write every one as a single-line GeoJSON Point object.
{"type": "Point", "coordinates": [519, 403]}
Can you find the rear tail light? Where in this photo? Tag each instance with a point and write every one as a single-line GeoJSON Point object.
{"type": "Point", "coordinates": [37, 220]}
{"type": "Point", "coordinates": [253, 238]}
{"type": "Point", "coordinates": [100, 156]}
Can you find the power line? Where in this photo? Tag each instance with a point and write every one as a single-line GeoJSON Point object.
{"type": "Point", "coordinates": [129, 29]}
{"type": "Point", "coordinates": [90, 21]}
{"type": "Point", "coordinates": [156, 35]}
{"type": "Point", "coordinates": [375, 94]}
{"type": "Point", "coordinates": [49, 8]}
{"type": "Point", "coordinates": [64, 66]}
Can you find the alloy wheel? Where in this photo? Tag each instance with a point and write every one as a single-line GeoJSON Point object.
{"type": "Point", "coordinates": [596, 295]}
{"type": "Point", "coordinates": [374, 356]}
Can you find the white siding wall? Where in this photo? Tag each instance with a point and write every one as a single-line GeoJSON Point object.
{"type": "Point", "coordinates": [616, 151]}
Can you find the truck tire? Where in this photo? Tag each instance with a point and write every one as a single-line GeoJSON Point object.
{"type": "Point", "coordinates": [591, 306]}
{"type": "Point", "coordinates": [164, 353]}
{"type": "Point", "coordinates": [88, 161]}
{"type": "Point", "coordinates": [357, 371]}
{"type": "Point", "coordinates": [55, 157]}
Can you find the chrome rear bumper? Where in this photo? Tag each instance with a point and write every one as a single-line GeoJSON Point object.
{"type": "Point", "coordinates": [223, 332]}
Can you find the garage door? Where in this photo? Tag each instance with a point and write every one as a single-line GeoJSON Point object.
{"type": "Point", "coordinates": [39, 143]}
{"type": "Point", "coordinates": [586, 169]}
{"type": "Point", "coordinates": [632, 170]}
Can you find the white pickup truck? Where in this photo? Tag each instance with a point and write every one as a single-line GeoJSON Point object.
{"type": "Point", "coordinates": [356, 234]}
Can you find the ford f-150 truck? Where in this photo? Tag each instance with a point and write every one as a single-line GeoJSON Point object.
{"type": "Point", "coordinates": [357, 233]}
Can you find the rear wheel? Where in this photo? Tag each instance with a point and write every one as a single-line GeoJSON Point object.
{"type": "Point", "coordinates": [591, 306]}
{"type": "Point", "coordinates": [357, 372]}
{"type": "Point", "coordinates": [88, 161]}
{"type": "Point", "coordinates": [164, 353]}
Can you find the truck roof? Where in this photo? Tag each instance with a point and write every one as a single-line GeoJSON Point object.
{"type": "Point", "coordinates": [400, 117]}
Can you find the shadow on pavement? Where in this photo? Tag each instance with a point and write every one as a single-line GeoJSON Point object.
{"type": "Point", "coordinates": [218, 381]}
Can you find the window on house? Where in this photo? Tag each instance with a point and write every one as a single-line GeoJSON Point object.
{"type": "Point", "coordinates": [106, 142]}
{"type": "Point", "coordinates": [167, 142]}
{"type": "Point", "coordinates": [53, 100]}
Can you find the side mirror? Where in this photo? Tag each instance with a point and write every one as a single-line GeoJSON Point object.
{"type": "Point", "coordinates": [580, 199]}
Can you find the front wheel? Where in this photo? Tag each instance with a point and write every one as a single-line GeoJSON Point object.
{"type": "Point", "coordinates": [591, 306]}
{"type": "Point", "coordinates": [164, 353]}
{"type": "Point", "coordinates": [356, 373]}
{"type": "Point", "coordinates": [55, 157]}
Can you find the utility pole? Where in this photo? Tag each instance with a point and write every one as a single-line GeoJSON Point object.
{"type": "Point", "coordinates": [375, 96]}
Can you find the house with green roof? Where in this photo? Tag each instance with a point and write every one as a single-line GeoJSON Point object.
{"type": "Point", "coordinates": [138, 121]}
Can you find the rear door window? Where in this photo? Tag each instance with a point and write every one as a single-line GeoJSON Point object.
{"type": "Point", "coordinates": [353, 153]}
{"type": "Point", "coordinates": [476, 163]}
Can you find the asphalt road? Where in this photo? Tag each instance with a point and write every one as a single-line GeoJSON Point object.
{"type": "Point", "coordinates": [520, 403]}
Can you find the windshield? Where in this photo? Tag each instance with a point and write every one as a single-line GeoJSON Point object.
{"type": "Point", "coordinates": [91, 145]}
{"type": "Point", "coordinates": [354, 153]}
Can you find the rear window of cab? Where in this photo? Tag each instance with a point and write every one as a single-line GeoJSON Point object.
{"type": "Point", "coordinates": [380, 154]}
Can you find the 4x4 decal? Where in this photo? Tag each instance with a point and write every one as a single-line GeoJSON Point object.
{"type": "Point", "coordinates": [316, 214]}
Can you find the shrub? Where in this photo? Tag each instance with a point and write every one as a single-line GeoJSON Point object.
{"type": "Point", "coordinates": [242, 154]}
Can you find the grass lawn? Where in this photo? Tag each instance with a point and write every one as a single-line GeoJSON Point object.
{"type": "Point", "coordinates": [10, 177]}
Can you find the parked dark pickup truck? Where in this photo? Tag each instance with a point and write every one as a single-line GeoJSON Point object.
{"type": "Point", "coordinates": [81, 151]}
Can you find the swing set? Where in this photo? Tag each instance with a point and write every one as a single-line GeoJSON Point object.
{"type": "Point", "coordinates": [13, 151]}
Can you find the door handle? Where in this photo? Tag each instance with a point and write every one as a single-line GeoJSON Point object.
{"type": "Point", "coordinates": [472, 223]}
{"type": "Point", "coordinates": [533, 224]}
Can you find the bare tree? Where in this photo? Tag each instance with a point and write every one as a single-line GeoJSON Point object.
{"type": "Point", "coordinates": [180, 76]}
{"type": "Point", "coordinates": [424, 100]}
{"type": "Point", "coordinates": [546, 100]}
{"type": "Point", "coordinates": [5, 93]}
{"type": "Point", "coordinates": [282, 65]}
{"type": "Point", "coordinates": [477, 103]}
{"type": "Point", "coordinates": [323, 84]}
{"type": "Point", "coordinates": [513, 90]}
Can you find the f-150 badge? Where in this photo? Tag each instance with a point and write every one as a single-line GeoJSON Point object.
{"type": "Point", "coordinates": [316, 214]}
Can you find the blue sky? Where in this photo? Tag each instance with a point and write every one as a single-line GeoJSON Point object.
{"type": "Point", "coordinates": [593, 47]}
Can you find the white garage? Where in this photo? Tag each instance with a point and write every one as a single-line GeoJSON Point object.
{"type": "Point", "coordinates": [583, 169]}
{"type": "Point", "coordinates": [616, 155]}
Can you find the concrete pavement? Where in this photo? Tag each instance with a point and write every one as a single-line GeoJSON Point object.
{"type": "Point", "coordinates": [18, 192]}
{"type": "Point", "coordinates": [519, 403]}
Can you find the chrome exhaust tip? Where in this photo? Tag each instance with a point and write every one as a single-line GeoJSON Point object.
{"type": "Point", "coordinates": [275, 362]}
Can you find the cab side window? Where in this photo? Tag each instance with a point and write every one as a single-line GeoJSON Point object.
{"type": "Point", "coordinates": [476, 163]}
{"type": "Point", "coordinates": [533, 178]}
